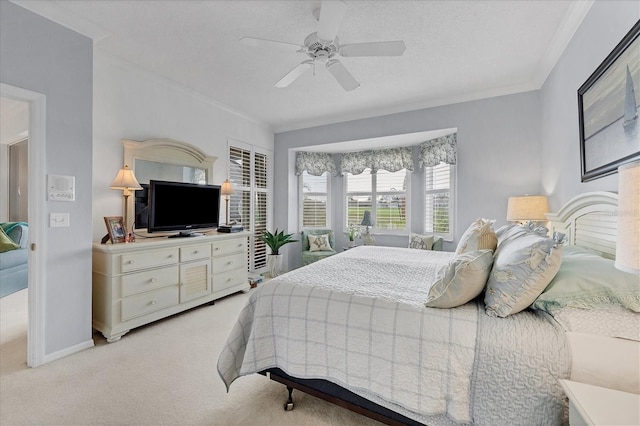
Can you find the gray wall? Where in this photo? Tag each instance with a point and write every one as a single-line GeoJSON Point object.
{"type": "Point", "coordinates": [498, 156]}
{"type": "Point", "coordinates": [44, 57]}
{"type": "Point", "coordinates": [602, 29]}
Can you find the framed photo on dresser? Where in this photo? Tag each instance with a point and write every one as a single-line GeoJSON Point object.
{"type": "Point", "coordinates": [116, 229]}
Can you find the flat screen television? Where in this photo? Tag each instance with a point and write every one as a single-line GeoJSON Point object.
{"type": "Point", "coordinates": [183, 207]}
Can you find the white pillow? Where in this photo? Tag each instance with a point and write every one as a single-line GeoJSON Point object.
{"type": "Point", "coordinates": [319, 243]}
{"type": "Point", "coordinates": [423, 242]}
{"type": "Point", "coordinates": [523, 267]}
{"type": "Point", "coordinates": [478, 236]}
{"type": "Point", "coordinates": [461, 280]}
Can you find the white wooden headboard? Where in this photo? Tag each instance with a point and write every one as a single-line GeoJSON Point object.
{"type": "Point", "coordinates": [589, 220]}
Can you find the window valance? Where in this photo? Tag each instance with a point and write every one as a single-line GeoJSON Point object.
{"type": "Point", "coordinates": [442, 149]}
{"type": "Point", "coordinates": [315, 163]}
{"type": "Point", "coordinates": [391, 159]}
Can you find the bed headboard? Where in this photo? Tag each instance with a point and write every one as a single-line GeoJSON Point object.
{"type": "Point", "coordinates": [589, 220]}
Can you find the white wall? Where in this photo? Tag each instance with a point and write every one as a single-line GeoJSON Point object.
{"type": "Point", "coordinates": [602, 29]}
{"type": "Point", "coordinates": [498, 156]}
{"type": "Point", "coordinates": [41, 56]}
{"type": "Point", "coordinates": [134, 104]}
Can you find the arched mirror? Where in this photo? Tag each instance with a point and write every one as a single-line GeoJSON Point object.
{"type": "Point", "coordinates": [163, 159]}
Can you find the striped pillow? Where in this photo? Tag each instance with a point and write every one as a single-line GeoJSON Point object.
{"type": "Point", "coordinates": [479, 236]}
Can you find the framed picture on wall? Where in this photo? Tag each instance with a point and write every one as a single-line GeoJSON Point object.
{"type": "Point", "coordinates": [608, 105]}
{"type": "Point", "coordinates": [116, 229]}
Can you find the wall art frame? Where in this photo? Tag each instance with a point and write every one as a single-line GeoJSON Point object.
{"type": "Point", "coordinates": [608, 111]}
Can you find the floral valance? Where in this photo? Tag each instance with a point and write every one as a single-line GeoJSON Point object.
{"type": "Point", "coordinates": [315, 163]}
{"type": "Point", "coordinates": [392, 160]}
{"type": "Point", "coordinates": [438, 150]}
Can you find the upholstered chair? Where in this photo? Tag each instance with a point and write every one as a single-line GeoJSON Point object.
{"type": "Point", "coordinates": [309, 256]}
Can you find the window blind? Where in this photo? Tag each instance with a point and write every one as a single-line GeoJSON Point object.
{"type": "Point", "coordinates": [439, 200]}
{"type": "Point", "coordinates": [315, 201]}
{"type": "Point", "coordinates": [249, 205]}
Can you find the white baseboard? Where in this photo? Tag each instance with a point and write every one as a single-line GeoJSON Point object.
{"type": "Point", "coordinates": [68, 351]}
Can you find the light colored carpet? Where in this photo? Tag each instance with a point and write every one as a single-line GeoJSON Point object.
{"type": "Point", "coordinates": [160, 374]}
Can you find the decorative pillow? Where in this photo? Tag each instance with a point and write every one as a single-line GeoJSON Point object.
{"type": "Point", "coordinates": [437, 243]}
{"type": "Point", "coordinates": [479, 236]}
{"type": "Point", "coordinates": [423, 242]}
{"type": "Point", "coordinates": [589, 281]}
{"type": "Point", "coordinates": [461, 280]}
{"type": "Point", "coordinates": [319, 243]}
{"type": "Point", "coordinates": [522, 268]}
{"type": "Point", "coordinates": [6, 243]}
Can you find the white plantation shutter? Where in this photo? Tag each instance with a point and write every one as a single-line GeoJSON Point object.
{"type": "Point", "coordinates": [388, 189]}
{"type": "Point", "coordinates": [439, 199]}
{"type": "Point", "coordinates": [314, 196]}
{"type": "Point", "coordinates": [249, 205]}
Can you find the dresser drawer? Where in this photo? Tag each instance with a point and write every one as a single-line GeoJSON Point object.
{"type": "Point", "coordinates": [148, 280]}
{"type": "Point", "coordinates": [228, 263]}
{"type": "Point", "coordinates": [222, 248]}
{"type": "Point", "coordinates": [149, 259]}
{"type": "Point", "coordinates": [195, 252]}
{"type": "Point", "coordinates": [225, 280]}
{"type": "Point", "coordinates": [137, 306]}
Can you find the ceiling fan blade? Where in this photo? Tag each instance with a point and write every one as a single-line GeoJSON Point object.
{"type": "Point", "coordinates": [381, 48]}
{"type": "Point", "coordinates": [292, 75]}
{"type": "Point", "coordinates": [262, 42]}
{"type": "Point", "coordinates": [343, 76]}
{"type": "Point", "coordinates": [331, 14]}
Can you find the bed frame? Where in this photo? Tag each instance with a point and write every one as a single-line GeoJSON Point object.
{"type": "Point", "coordinates": [588, 220]}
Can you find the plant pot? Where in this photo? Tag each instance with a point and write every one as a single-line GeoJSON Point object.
{"type": "Point", "coordinates": [352, 243]}
{"type": "Point", "coordinates": [274, 264]}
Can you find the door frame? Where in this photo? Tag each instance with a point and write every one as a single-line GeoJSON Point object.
{"type": "Point", "coordinates": [37, 219]}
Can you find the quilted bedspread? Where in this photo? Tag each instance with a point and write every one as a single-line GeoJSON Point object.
{"type": "Point", "coordinates": [358, 320]}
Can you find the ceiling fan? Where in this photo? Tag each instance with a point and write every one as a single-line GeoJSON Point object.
{"type": "Point", "coordinates": [323, 46]}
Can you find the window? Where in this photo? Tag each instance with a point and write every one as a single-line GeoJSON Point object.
{"type": "Point", "coordinates": [315, 200]}
{"type": "Point", "coordinates": [439, 199]}
{"type": "Point", "coordinates": [249, 205]}
{"type": "Point", "coordinates": [384, 194]}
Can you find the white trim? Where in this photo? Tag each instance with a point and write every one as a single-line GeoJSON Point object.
{"type": "Point", "coordinates": [68, 351]}
{"type": "Point", "coordinates": [37, 219]}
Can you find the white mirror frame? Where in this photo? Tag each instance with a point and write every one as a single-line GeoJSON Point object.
{"type": "Point", "coordinates": [167, 151]}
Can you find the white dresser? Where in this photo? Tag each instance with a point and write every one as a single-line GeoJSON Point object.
{"type": "Point", "coordinates": [137, 283]}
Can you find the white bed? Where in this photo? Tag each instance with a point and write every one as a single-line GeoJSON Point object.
{"type": "Point", "coordinates": [337, 322]}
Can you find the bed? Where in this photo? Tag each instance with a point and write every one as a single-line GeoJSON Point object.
{"type": "Point", "coordinates": [354, 329]}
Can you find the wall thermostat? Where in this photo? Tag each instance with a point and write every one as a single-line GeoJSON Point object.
{"type": "Point", "coordinates": [61, 188]}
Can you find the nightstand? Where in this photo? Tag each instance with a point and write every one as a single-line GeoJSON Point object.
{"type": "Point", "coordinates": [594, 405]}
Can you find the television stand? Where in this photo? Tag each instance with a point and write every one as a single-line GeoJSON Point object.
{"type": "Point", "coordinates": [186, 234]}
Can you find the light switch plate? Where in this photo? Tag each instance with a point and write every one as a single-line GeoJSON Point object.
{"type": "Point", "coordinates": [58, 220]}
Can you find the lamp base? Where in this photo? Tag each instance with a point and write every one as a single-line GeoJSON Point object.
{"type": "Point", "coordinates": [368, 239]}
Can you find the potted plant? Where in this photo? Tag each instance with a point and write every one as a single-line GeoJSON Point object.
{"type": "Point", "coordinates": [352, 233]}
{"type": "Point", "coordinates": [275, 241]}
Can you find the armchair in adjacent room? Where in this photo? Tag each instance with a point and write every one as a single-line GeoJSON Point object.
{"type": "Point", "coordinates": [313, 254]}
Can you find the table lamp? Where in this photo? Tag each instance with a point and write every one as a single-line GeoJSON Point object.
{"type": "Point", "coordinates": [366, 221]}
{"type": "Point", "coordinates": [527, 208]}
{"type": "Point", "coordinates": [127, 182]}
{"type": "Point", "coordinates": [628, 244]}
{"type": "Point", "coordinates": [227, 190]}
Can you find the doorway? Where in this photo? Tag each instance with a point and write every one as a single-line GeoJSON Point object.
{"type": "Point", "coordinates": [34, 104]}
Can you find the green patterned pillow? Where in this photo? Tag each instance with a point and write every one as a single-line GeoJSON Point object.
{"type": "Point", "coordinates": [422, 242]}
{"type": "Point", "coordinates": [6, 243]}
{"type": "Point", "coordinates": [319, 243]}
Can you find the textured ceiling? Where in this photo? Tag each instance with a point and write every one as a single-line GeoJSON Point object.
{"type": "Point", "coordinates": [455, 50]}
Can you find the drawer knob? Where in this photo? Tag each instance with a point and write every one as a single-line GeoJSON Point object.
{"type": "Point", "coordinates": [217, 248]}
{"type": "Point", "coordinates": [170, 256]}
{"type": "Point", "coordinates": [154, 301]}
{"type": "Point", "coordinates": [131, 262]}
{"type": "Point", "coordinates": [230, 262]}
{"type": "Point", "coordinates": [228, 279]}
{"type": "Point", "coordinates": [154, 280]}
{"type": "Point", "coordinates": [195, 252]}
